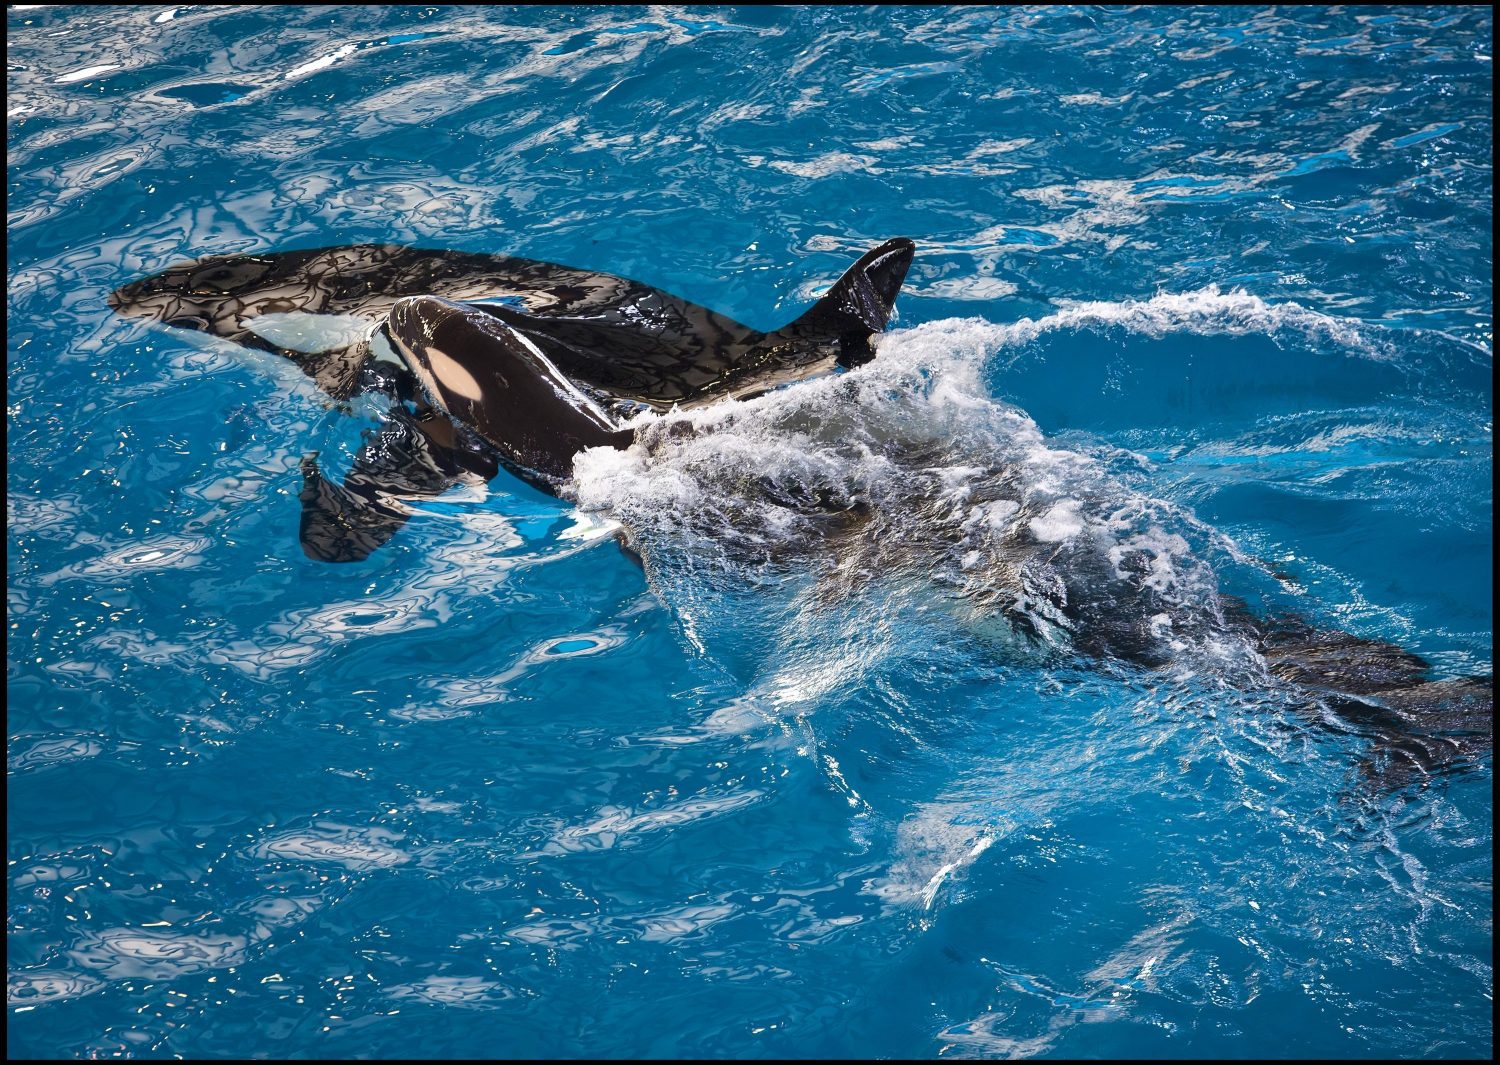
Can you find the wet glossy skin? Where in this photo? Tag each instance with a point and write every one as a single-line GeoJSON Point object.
{"type": "Point", "coordinates": [628, 341]}
{"type": "Point", "coordinates": [495, 378]}
{"type": "Point", "coordinates": [222, 294]}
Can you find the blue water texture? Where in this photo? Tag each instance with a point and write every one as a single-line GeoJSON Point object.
{"type": "Point", "coordinates": [1221, 276]}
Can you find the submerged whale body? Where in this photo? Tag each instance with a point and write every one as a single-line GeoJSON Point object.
{"type": "Point", "coordinates": [495, 361]}
{"type": "Point", "coordinates": [904, 495]}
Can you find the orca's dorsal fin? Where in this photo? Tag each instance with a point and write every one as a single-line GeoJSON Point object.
{"type": "Point", "coordinates": [860, 303]}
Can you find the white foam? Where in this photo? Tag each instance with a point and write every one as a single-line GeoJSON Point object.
{"type": "Point", "coordinates": [1061, 522]}
{"type": "Point", "coordinates": [907, 471]}
{"type": "Point", "coordinates": [1206, 311]}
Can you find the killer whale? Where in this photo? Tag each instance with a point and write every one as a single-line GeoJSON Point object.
{"type": "Point", "coordinates": [493, 360]}
{"type": "Point", "coordinates": [537, 386]}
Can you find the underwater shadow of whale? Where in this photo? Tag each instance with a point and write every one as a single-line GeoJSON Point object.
{"type": "Point", "coordinates": [497, 361]}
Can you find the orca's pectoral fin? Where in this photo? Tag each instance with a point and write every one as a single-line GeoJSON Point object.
{"type": "Point", "coordinates": [340, 524]}
{"type": "Point", "coordinates": [413, 455]}
{"type": "Point", "coordinates": [860, 303]}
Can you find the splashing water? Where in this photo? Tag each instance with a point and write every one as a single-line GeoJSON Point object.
{"type": "Point", "coordinates": [906, 481]}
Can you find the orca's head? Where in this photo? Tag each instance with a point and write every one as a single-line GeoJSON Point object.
{"type": "Point", "coordinates": [493, 377]}
{"type": "Point", "coordinates": [205, 294]}
{"type": "Point", "coordinates": [222, 294]}
{"type": "Point", "coordinates": [445, 345]}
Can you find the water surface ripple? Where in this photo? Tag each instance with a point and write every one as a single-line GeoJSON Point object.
{"type": "Point", "coordinates": [1210, 286]}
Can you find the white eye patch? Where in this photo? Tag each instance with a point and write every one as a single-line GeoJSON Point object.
{"type": "Point", "coordinates": [452, 375]}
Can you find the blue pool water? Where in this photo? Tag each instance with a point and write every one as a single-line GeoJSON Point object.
{"type": "Point", "coordinates": [1213, 283]}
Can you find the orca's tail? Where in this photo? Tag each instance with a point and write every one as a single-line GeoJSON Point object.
{"type": "Point", "coordinates": [860, 303]}
{"type": "Point", "coordinates": [1419, 727]}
